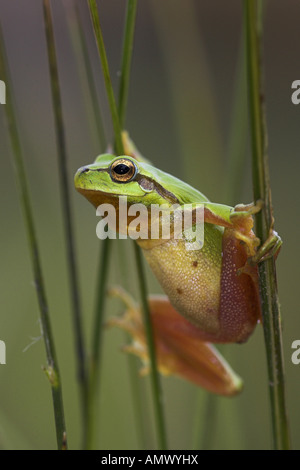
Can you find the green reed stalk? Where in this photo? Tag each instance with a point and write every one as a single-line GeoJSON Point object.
{"type": "Point", "coordinates": [155, 381]}
{"type": "Point", "coordinates": [128, 39]}
{"type": "Point", "coordinates": [85, 72]}
{"type": "Point", "coordinates": [106, 244]}
{"type": "Point", "coordinates": [91, 83]}
{"type": "Point", "coordinates": [101, 284]}
{"type": "Point", "coordinates": [264, 223]}
{"type": "Point", "coordinates": [108, 85]}
{"type": "Point", "coordinates": [78, 41]}
{"type": "Point", "coordinates": [52, 370]}
{"type": "Point", "coordinates": [126, 59]}
{"type": "Point", "coordinates": [67, 213]}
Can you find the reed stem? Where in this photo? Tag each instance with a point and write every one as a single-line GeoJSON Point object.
{"type": "Point", "coordinates": [67, 212]}
{"type": "Point", "coordinates": [52, 369]}
{"type": "Point", "coordinates": [155, 380]}
{"type": "Point", "coordinates": [264, 224]}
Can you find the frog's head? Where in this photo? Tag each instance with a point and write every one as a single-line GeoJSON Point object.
{"type": "Point", "coordinates": [110, 177]}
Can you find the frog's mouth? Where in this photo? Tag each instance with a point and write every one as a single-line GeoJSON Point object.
{"type": "Point", "coordinates": [97, 197]}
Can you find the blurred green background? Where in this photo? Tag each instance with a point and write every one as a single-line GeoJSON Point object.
{"type": "Point", "coordinates": [183, 86]}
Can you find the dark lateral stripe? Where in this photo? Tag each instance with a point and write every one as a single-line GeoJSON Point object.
{"type": "Point", "coordinates": [159, 189]}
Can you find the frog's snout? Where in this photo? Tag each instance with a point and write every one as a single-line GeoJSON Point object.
{"type": "Point", "coordinates": [78, 175]}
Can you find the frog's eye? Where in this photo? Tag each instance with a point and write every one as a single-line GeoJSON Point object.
{"type": "Point", "coordinates": [123, 170]}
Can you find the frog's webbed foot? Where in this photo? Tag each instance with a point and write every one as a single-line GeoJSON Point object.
{"type": "Point", "coordinates": [242, 222]}
{"type": "Point", "coordinates": [241, 211]}
{"type": "Point", "coordinates": [269, 249]}
{"type": "Point", "coordinates": [241, 218]}
{"type": "Point", "coordinates": [179, 345]}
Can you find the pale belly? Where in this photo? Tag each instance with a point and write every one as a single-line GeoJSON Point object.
{"type": "Point", "coordinates": [191, 279]}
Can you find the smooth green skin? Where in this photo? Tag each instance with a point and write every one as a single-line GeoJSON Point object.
{"type": "Point", "coordinates": [183, 192]}
{"type": "Point", "coordinates": [204, 285]}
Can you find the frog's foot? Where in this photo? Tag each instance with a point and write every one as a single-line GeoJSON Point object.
{"type": "Point", "coordinates": [120, 293]}
{"type": "Point", "coordinates": [249, 239]}
{"type": "Point", "coordinates": [269, 249]}
{"type": "Point", "coordinates": [242, 221]}
{"type": "Point", "coordinates": [241, 217]}
{"type": "Point", "coordinates": [244, 210]}
{"type": "Point", "coordinates": [179, 346]}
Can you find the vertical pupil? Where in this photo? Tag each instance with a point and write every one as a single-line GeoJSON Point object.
{"type": "Point", "coordinates": [121, 169]}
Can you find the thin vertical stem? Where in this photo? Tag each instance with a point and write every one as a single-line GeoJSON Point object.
{"type": "Point", "coordinates": [85, 71]}
{"type": "Point", "coordinates": [52, 369]}
{"type": "Point", "coordinates": [264, 224]}
{"type": "Point", "coordinates": [67, 215]}
{"type": "Point", "coordinates": [155, 381]}
{"type": "Point", "coordinates": [108, 85]}
{"type": "Point", "coordinates": [127, 50]}
{"type": "Point", "coordinates": [126, 59]}
{"type": "Point", "coordinates": [97, 341]}
{"type": "Point", "coordinates": [91, 82]}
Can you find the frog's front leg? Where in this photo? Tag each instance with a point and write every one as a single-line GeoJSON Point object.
{"type": "Point", "coordinates": [271, 247]}
{"type": "Point", "coordinates": [239, 219]}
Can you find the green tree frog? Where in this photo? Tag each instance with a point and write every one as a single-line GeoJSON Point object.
{"type": "Point", "coordinates": [216, 287]}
